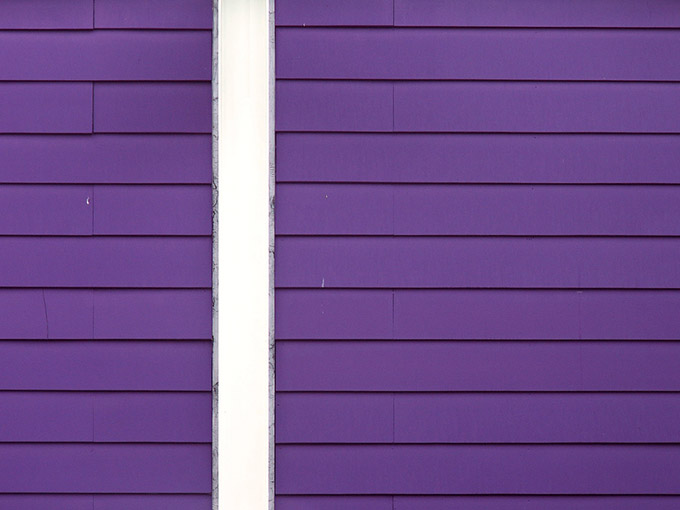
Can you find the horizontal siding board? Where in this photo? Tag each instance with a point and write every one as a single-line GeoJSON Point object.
{"type": "Point", "coordinates": [333, 314]}
{"type": "Point", "coordinates": [338, 418]}
{"type": "Point", "coordinates": [474, 262]}
{"type": "Point", "coordinates": [536, 418]}
{"type": "Point", "coordinates": [149, 417]}
{"type": "Point", "coordinates": [105, 417]}
{"type": "Point", "coordinates": [105, 502]}
{"type": "Point", "coordinates": [102, 314]}
{"type": "Point", "coordinates": [542, 314]}
{"type": "Point", "coordinates": [333, 106]}
{"type": "Point", "coordinates": [478, 469]}
{"type": "Point", "coordinates": [479, 54]}
{"type": "Point", "coordinates": [106, 159]}
{"type": "Point", "coordinates": [329, 12]}
{"type": "Point", "coordinates": [312, 209]}
{"type": "Point", "coordinates": [45, 107]}
{"type": "Point", "coordinates": [478, 314]}
{"type": "Point", "coordinates": [45, 210]}
{"type": "Point", "coordinates": [46, 14]}
{"type": "Point", "coordinates": [535, 107]}
{"type": "Point", "coordinates": [153, 14]}
{"type": "Point", "coordinates": [474, 158]}
{"type": "Point", "coordinates": [536, 13]}
{"type": "Point", "coordinates": [333, 503]}
{"type": "Point", "coordinates": [105, 262]}
{"type": "Point", "coordinates": [105, 365]}
{"type": "Point", "coordinates": [417, 210]}
{"type": "Point", "coordinates": [163, 314]}
{"type": "Point", "coordinates": [152, 108]}
{"type": "Point", "coordinates": [63, 468]}
{"type": "Point", "coordinates": [42, 501]}
{"type": "Point", "coordinates": [153, 210]}
{"type": "Point", "coordinates": [109, 55]}
{"type": "Point", "coordinates": [477, 366]}
{"type": "Point", "coordinates": [563, 502]}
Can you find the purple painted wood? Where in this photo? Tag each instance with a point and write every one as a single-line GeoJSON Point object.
{"type": "Point", "coordinates": [477, 469]}
{"type": "Point", "coordinates": [310, 209]}
{"type": "Point", "coordinates": [105, 417]}
{"type": "Point", "coordinates": [329, 12]}
{"type": "Point", "coordinates": [334, 502]}
{"type": "Point", "coordinates": [536, 418]}
{"type": "Point", "coordinates": [45, 107]}
{"type": "Point", "coordinates": [105, 468]}
{"type": "Point", "coordinates": [106, 159]}
{"type": "Point", "coordinates": [537, 13]}
{"type": "Point", "coordinates": [477, 366]}
{"type": "Point", "coordinates": [334, 106]}
{"type": "Point", "coordinates": [115, 314]}
{"type": "Point", "coordinates": [63, 210]}
{"type": "Point", "coordinates": [111, 55]}
{"type": "Point", "coordinates": [152, 108]}
{"type": "Point", "coordinates": [474, 262]}
{"type": "Point", "coordinates": [338, 418]}
{"type": "Point", "coordinates": [152, 502]}
{"type": "Point", "coordinates": [105, 365]}
{"type": "Point", "coordinates": [163, 314]}
{"type": "Point", "coordinates": [417, 210]}
{"type": "Point", "coordinates": [535, 502]}
{"type": "Point", "coordinates": [46, 14]}
{"type": "Point", "coordinates": [153, 210]}
{"type": "Point", "coordinates": [153, 14]}
{"type": "Point", "coordinates": [334, 314]}
{"type": "Point", "coordinates": [440, 158]}
{"type": "Point", "coordinates": [536, 107]}
{"type": "Point", "coordinates": [105, 262]}
{"type": "Point", "coordinates": [42, 501]}
{"type": "Point", "coordinates": [480, 54]}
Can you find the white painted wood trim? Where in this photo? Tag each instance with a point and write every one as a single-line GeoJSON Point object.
{"type": "Point", "coordinates": [243, 371]}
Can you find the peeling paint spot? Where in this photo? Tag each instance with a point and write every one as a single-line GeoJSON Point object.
{"type": "Point", "coordinates": [87, 200]}
{"type": "Point", "coordinates": [323, 282]}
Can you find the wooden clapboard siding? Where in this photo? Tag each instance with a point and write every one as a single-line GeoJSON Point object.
{"type": "Point", "coordinates": [105, 255]}
{"type": "Point", "coordinates": [477, 255]}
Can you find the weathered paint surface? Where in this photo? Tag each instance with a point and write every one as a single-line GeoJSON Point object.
{"type": "Point", "coordinates": [477, 258]}
{"type": "Point", "coordinates": [105, 255]}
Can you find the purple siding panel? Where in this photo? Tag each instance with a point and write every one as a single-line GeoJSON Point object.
{"type": "Point", "coordinates": [536, 418]}
{"type": "Point", "coordinates": [515, 158]}
{"type": "Point", "coordinates": [162, 314]}
{"type": "Point", "coordinates": [474, 262]}
{"type": "Point", "coordinates": [537, 13]}
{"type": "Point", "coordinates": [46, 14]}
{"type": "Point", "coordinates": [105, 366]}
{"type": "Point", "coordinates": [333, 12]}
{"type": "Point", "coordinates": [149, 417]}
{"type": "Point", "coordinates": [310, 209]}
{"type": "Point", "coordinates": [475, 469]}
{"type": "Point", "coordinates": [334, 503]}
{"type": "Point", "coordinates": [153, 14]}
{"type": "Point", "coordinates": [63, 210]}
{"type": "Point", "coordinates": [334, 106]}
{"type": "Point", "coordinates": [106, 159]}
{"type": "Point", "coordinates": [334, 314]}
{"type": "Point", "coordinates": [319, 418]}
{"type": "Point", "coordinates": [152, 108]}
{"type": "Point", "coordinates": [544, 314]}
{"type": "Point", "coordinates": [153, 210]}
{"type": "Point", "coordinates": [42, 501]}
{"type": "Point", "coordinates": [478, 366]}
{"type": "Point", "coordinates": [105, 468]}
{"type": "Point", "coordinates": [481, 54]}
{"type": "Point", "coordinates": [105, 55]}
{"type": "Point", "coordinates": [535, 107]}
{"type": "Point", "coordinates": [45, 107]}
{"type": "Point", "coordinates": [105, 262]}
{"type": "Point", "coordinates": [535, 502]}
{"type": "Point", "coordinates": [152, 502]}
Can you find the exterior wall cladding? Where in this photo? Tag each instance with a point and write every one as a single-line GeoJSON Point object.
{"type": "Point", "coordinates": [105, 254]}
{"type": "Point", "coordinates": [477, 260]}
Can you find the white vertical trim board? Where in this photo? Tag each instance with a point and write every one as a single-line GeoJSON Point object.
{"type": "Point", "coordinates": [243, 230]}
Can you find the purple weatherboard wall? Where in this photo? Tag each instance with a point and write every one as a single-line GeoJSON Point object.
{"type": "Point", "coordinates": [105, 254]}
{"type": "Point", "coordinates": [477, 255]}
